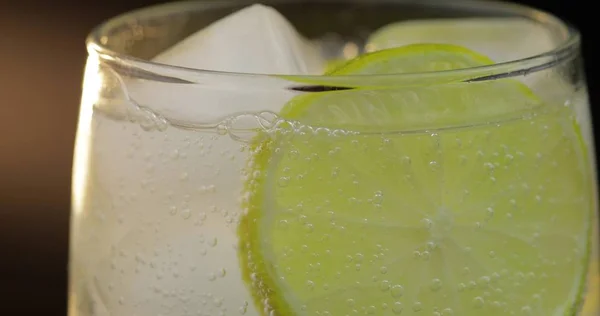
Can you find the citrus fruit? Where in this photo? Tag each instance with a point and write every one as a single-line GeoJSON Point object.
{"type": "Point", "coordinates": [501, 38]}
{"type": "Point", "coordinates": [454, 199]}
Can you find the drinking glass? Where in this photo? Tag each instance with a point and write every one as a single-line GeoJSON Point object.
{"type": "Point", "coordinates": [203, 192]}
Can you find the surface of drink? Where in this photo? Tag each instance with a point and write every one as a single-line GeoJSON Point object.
{"type": "Point", "coordinates": [270, 205]}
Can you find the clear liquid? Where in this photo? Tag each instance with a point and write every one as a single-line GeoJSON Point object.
{"type": "Point", "coordinates": [155, 230]}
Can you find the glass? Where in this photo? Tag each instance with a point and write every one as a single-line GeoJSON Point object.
{"type": "Point", "coordinates": [168, 163]}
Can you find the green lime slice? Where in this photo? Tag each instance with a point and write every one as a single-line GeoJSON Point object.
{"type": "Point", "coordinates": [431, 57]}
{"type": "Point", "coordinates": [346, 215]}
{"type": "Point", "coordinates": [501, 38]}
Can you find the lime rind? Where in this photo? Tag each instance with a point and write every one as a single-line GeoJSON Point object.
{"type": "Point", "coordinates": [587, 261]}
{"type": "Point", "coordinates": [254, 268]}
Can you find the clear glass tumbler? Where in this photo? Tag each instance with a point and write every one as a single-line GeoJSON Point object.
{"type": "Point", "coordinates": [204, 192]}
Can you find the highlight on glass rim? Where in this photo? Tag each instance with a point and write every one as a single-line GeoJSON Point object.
{"type": "Point", "coordinates": [344, 157]}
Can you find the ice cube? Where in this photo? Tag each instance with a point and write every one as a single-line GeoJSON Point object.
{"type": "Point", "coordinates": [256, 39]}
{"type": "Point", "coordinates": [500, 38]}
{"type": "Point", "coordinates": [167, 196]}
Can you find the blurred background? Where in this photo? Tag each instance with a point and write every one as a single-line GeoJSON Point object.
{"type": "Point", "coordinates": [42, 55]}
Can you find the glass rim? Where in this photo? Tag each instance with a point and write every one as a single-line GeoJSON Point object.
{"type": "Point", "coordinates": [563, 51]}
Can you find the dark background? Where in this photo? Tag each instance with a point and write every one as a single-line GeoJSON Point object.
{"type": "Point", "coordinates": [42, 56]}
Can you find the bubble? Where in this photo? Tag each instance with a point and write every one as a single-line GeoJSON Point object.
{"type": "Point", "coordinates": [213, 242]}
{"type": "Point", "coordinates": [484, 280]}
{"type": "Point", "coordinates": [385, 285]}
{"type": "Point", "coordinates": [172, 210]}
{"type": "Point", "coordinates": [371, 310]}
{"type": "Point", "coordinates": [490, 212]}
{"type": "Point", "coordinates": [350, 302]}
{"type": "Point", "coordinates": [378, 198]}
{"type": "Point", "coordinates": [397, 291]}
{"type": "Point", "coordinates": [436, 285]}
{"type": "Point", "coordinates": [383, 270]}
{"type": "Point", "coordinates": [309, 228]}
{"type": "Point", "coordinates": [526, 310]}
{"type": "Point", "coordinates": [428, 223]}
{"type": "Point", "coordinates": [433, 165]}
{"type": "Point", "coordinates": [447, 312]}
{"type": "Point", "coordinates": [417, 307]}
{"type": "Point", "coordinates": [212, 277]}
{"type": "Point", "coordinates": [462, 287]}
{"type": "Point", "coordinates": [283, 224]}
{"type": "Point", "coordinates": [398, 308]}
{"type": "Point", "coordinates": [283, 182]}
{"type": "Point", "coordinates": [492, 254]}
{"type": "Point", "coordinates": [478, 302]}
{"type": "Point", "coordinates": [186, 214]}
{"type": "Point", "coordinates": [222, 129]}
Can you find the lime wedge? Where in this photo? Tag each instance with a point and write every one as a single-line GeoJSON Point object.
{"type": "Point", "coordinates": [366, 202]}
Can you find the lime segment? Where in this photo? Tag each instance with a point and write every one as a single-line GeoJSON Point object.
{"type": "Point", "coordinates": [368, 202]}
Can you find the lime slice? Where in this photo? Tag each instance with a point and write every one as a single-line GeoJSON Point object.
{"type": "Point", "coordinates": [431, 57]}
{"type": "Point", "coordinates": [345, 215]}
{"type": "Point", "coordinates": [500, 38]}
